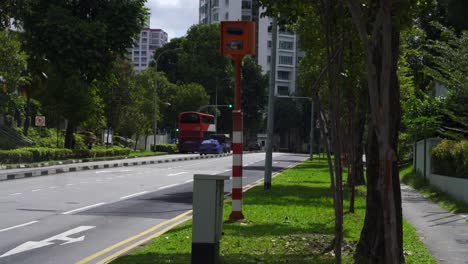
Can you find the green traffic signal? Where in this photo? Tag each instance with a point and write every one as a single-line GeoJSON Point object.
{"type": "Point", "coordinates": [177, 129]}
{"type": "Point", "coordinates": [230, 105]}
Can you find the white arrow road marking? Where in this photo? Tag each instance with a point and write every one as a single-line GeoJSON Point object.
{"type": "Point", "coordinates": [179, 173]}
{"type": "Point", "coordinates": [30, 245]}
{"type": "Point", "coordinates": [16, 226]}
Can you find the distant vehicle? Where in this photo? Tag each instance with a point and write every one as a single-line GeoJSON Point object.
{"type": "Point", "coordinates": [210, 146]}
{"type": "Point", "coordinates": [254, 145]}
{"type": "Point", "coordinates": [193, 128]}
{"type": "Point", "coordinates": [224, 140]}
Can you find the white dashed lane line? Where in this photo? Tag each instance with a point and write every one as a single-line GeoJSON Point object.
{"type": "Point", "coordinates": [133, 195]}
{"type": "Point", "coordinates": [18, 226]}
{"type": "Point", "coordinates": [83, 208]}
{"type": "Point", "coordinates": [14, 194]}
{"type": "Point", "coordinates": [167, 186]}
{"type": "Point", "coordinates": [179, 173]}
{"type": "Point", "coordinates": [36, 190]}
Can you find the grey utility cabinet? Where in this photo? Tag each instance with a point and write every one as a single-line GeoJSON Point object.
{"type": "Point", "coordinates": [208, 198]}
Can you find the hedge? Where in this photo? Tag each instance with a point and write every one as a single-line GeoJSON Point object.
{"type": "Point", "coordinates": [169, 148]}
{"type": "Point", "coordinates": [101, 152]}
{"type": "Point", "coordinates": [450, 158]}
{"type": "Point", "coordinates": [15, 156]}
{"type": "Point", "coordinates": [28, 155]}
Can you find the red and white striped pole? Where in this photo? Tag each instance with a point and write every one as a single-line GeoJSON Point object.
{"type": "Point", "coordinates": [237, 141]}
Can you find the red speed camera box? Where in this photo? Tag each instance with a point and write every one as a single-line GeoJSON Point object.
{"type": "Point", "coordinates": [237, 37]}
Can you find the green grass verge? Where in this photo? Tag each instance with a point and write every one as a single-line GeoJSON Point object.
{"type": "Point", "coordinates": [445, 200]}
{"type": "Point", "coordinates": [292, 223]}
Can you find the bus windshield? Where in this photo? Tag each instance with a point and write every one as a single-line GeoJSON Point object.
{"type": "Point", "coordinates": [190, 118]}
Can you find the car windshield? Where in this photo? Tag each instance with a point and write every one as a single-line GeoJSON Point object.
{"type": "Point", "coordinates": [210, 141]}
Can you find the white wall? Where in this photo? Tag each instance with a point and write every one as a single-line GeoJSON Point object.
{"type": "Point", "coordinates": [456, 187]}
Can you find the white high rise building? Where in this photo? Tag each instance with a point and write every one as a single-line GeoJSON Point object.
{"type": "Point", "coordinates": [146, 44]}
{"type": "Point", "coordinates": [288, 53]}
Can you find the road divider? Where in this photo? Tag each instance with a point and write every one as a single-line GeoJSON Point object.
{"type": "Point", "coordinates": [73, 168]}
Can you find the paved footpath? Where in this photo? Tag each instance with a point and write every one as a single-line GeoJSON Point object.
{"type": "Point", "coordinates": [445, 234]}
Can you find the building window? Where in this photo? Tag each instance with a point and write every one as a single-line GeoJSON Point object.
{"type": "Point", "coordinates": [227, 3]}
{"type": "Point", "coordinates": [136, 53]}
{"type": "Point", "coordinates": [144, 34]}
{"type": "Point", "coordinates": [299, 59]}
{"type": "Point", "coordinates": [287, 45]}
{"type": "Point", "coordinates": [246, 18]}
{"type": "Point", "coordinates": [246, 4]}
{"type": "Point", "coordinates": [143, 65]}
{"type": "Point", "coordinates": [143, 53]}
{"type": "Point", "coordinates": [283, 75]}
{"type": "Point", "coordinates": [153, 47]}
{"type": "Point", "coordinates": [269, 43]}
{"type": "Point", "coordinates": [268, 59]}
{"type": "Point", "coordinates": [227, 16]}
{"type": "Point", "coordinates": [215, 17]}
{"type": "Point", "coordinates": [286, 60]}
{"type": "Point", "coordinates": [144, 40]}
{"type": "Point", "coordinates": [283, 90]}
{"type": "Point", "coordinates": [143, 59]}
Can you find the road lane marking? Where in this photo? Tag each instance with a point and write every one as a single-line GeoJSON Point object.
{"type": "Point", "coordinates": [30, 245]}
{"type": "Point", "coordinates": [70, 184]}
{"type": "Point", "coordinates": [36, 190]}
{"type": "Point", "coordinates": [136, 244]}
{"type": "Point", "coordinates": [124, 170]}
{"type": "Point", "coordinates": [83, 208]}
{"type": "Point", "coordinates": [130, 239]}
{"type": "Point", "coordinates": [133, 195]}
{"type": "Point", "coordinates": [13, 194]}
{"type": "Point", "coordinates": [17, 226]}
{"type": "Point", "coordinates": [167, 186]}
{"type": "Point", "coordinates": [104, 171]}
{"type": "Point", "coordinates": [179, 173]}
{"type": "Point", "coordinates": [188, 181]}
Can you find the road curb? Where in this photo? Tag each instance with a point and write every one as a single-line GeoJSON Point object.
{"type": "Point", "coordinates": [51, 171]}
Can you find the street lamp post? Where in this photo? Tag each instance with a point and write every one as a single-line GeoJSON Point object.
{"type": "Point", "coordinates": [155, 121]}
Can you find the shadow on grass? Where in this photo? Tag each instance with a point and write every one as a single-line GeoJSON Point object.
{"type": "Point", "coordinates": [275, 229]}
{"type": "Point", "coordinates": [174, 258]}
{"type": "Point", "coordinates": [288, 195]}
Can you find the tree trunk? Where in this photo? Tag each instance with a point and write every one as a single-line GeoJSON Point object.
{"type": "Point", "coordinates": [381, 238]}
{"type": "Point", "coordinates": [69, 136]}
{"type": "Point", "coordinates": [27, 120]}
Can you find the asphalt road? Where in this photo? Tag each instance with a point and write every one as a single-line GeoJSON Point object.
{"type": "Point", "coordinates": [89, 216]}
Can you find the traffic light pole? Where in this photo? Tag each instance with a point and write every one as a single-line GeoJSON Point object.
{"type": "Point", "coordinates": [237, 142]}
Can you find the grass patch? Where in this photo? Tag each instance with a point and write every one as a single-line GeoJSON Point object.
{"type": "Point", "coordinates": [292, 223]}
{"type": "Point", "coordinates": [445, 200]}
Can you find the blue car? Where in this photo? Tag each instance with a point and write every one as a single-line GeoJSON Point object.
{"type": "Point", "coordinates": [210, 146]}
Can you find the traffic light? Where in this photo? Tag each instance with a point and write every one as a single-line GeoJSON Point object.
{"type": "Point", "coordinates": [230, 105]}
{"type": "Point", "coordinates": [177, 129]}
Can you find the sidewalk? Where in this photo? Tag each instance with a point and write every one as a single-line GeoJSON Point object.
{"type": "Point", "coordinates": [445, 234]}
{"type": "Point", "coordinates": [12, 174]}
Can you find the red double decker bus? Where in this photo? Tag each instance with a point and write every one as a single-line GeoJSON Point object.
{"type": "Point", "coordinates": [193, 128]}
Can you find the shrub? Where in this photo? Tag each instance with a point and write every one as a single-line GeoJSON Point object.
{"type": "Point", "coordinates": [101, 152]}
{"type": "Point", "coordinates": [169, 148]}
{"type": "Point", "coordinates": [15, 156]}
{"type": "Point", "coordinates": [450, 158]}
{"type": "Point", "coordinates": [43, 154]}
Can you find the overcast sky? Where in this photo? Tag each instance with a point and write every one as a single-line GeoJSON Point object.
{"type": "Point", "coordinates": [173, 16]}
